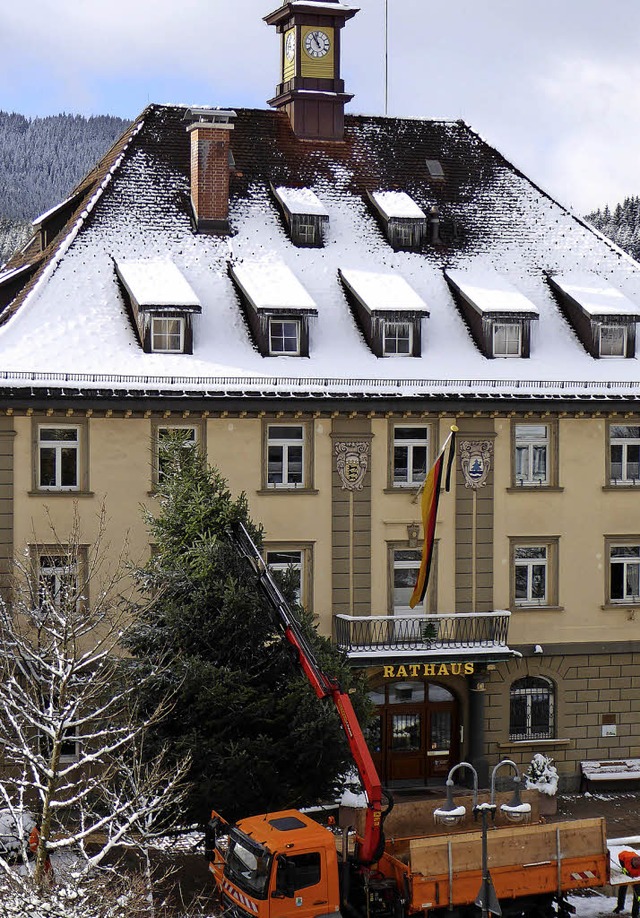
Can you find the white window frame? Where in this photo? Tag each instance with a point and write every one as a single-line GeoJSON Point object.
{"type": "Point", "coordinates": [508, 328]}
{"type": "Point", "coordinates": [529, 564]}
{"type": "Point", "coordinates": [53, 570]}
{"type": "Point", "coordinates": [307, 232]}
{"type": "Point", "coordinates": [623, 443]}
{"type": "Point", "coordinates": [408, 564]}
{"type": "Point", "coordinates": [57, 446]}
{"type": "Point", "coordinates": [159, 320]}
{"type": "Point", "coordinates": [71, 738]}
{"type": "Point", "coordinates": [526, 444]}
{"type": "Point", "coordinates": [630, 564]}
{"type": "Point", "coordinates": [608, 330]}
{"type": "Point", "coordinates": [405, 233]}
{"type": "Point", "coordinates": [393, 332]}
{"type": "Point", "coordinates": [414, 478]}
{"type": "Point", "coordinates": [283, 351]}
{"type": "Point", "coordinates": [286, 444]}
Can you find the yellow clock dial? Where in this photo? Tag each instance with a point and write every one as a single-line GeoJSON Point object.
{"type": "Point", "coordinates": [317, 43]}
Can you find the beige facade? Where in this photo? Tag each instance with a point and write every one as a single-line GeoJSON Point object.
{"type": "Point", "coordinates": [358, 546]}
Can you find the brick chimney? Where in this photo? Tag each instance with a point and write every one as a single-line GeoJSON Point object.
{"type": "Point", "coordinates": [211, 160]}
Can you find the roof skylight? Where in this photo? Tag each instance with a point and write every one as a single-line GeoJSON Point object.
{"type": "Point", "coordinates": [434, 168]}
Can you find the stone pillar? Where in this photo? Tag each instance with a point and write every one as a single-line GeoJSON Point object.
{"type": "Point", "coordinates": [477, 755]}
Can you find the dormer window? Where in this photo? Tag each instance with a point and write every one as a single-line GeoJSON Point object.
{"type": "Point", "coordinates": [498, 315]}
{"type": "Point", "coordinates": [167, 335]}
{"type": "Point", "coordinates": [162, 304]}
{"type": "Point", "coordinates": [403, 222]}
{"type": "Point", "coordinates": [397, 340]}
{"type": "Point", "coordinates": [602, 317]}
{"type": "Point", "coordinates": [305, 215]}
{"type": "Point", "coordinates": [388, 311]}
{"type": "Point", "coordinates": [276, 306]}
{"type": "Point", "coordinates": [284, 337]}
{"type": "Point", "coordinates": [507, 339]}
{"type": "Point", "coordinates": [613, 340]}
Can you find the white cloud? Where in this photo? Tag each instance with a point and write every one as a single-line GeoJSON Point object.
{"type": "Point", "coordinates": [595, 108]}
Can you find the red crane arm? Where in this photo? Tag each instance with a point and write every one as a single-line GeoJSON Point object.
{"type": "Point", "coordinates": [325, 687]}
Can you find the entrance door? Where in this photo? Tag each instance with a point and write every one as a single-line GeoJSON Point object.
{"type": "Point", "coordinates": [414, 735]}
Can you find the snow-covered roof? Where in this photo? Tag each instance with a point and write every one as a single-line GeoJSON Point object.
{"type": "Point", "coordinates": [324, 5]}
{"type": "Point", "coordinates": [490, 292]}
{"type": "Point", "coordinates": [136, 208]}
{"type": "Point", "coordinates": [272, 286]}
{"type": "Point", "coordinates": [397, 204]}
{"type": "Point", "coordinates": [301, 201]}
{"type": "Point", "coordinates": [596, 296]}
{"type": "Point", "coordinates": [383, 292]}
{"type": "Point", "coordinates": [50, 212]}
{"type": "Point", "coordinates": [157, 282]}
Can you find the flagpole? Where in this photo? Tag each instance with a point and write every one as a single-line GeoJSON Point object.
{"type": "Point", "coordinates": [386, 58]}
{"type": "Point", "coordinates": [453, 429]}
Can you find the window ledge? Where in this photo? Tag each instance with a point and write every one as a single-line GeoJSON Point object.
{"type": "Point", "coordinates": [621, 606]}
{"type": "Point", "coordinates": [517, 744]}
{"type": "Point", "coordinates": [535, 608]}
{"type": "Point", "coordinates": [44, 492]}
{"type": "Point", "coordinates": [623, 486]}
{"type": "Point", "coordinates": [411, 490]}
{"type": "Point", "coordinates": [270, 491]}
{"type": "Point", "coordinates": [528, 489]}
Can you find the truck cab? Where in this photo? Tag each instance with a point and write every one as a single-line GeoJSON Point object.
{"type": "Point", "coordinates": [275, 866]}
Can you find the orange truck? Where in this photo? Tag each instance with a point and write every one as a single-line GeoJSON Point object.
{"type": "Point", "coordinates": [287, 865]}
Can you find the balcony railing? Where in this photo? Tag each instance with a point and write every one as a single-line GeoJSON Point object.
{"type": "Point", "coordinates": [422, 633]}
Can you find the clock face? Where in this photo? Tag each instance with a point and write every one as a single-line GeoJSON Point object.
{"type": "Point", "coordinates": [290, 45]}
{"type": "Point", "coordinates": [316, 43]}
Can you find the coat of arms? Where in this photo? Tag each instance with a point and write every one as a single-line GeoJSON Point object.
{"type": "Point", "coordinates": [352, 460]}
{"type": "Point", "coordinates": [475, 459]}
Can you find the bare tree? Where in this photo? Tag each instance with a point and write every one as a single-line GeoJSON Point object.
{"type": "Point", "coordinates": [71, 742]}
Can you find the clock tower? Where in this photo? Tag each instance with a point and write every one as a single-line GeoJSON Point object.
{"type": "Point", "coordinates": [311, 90]}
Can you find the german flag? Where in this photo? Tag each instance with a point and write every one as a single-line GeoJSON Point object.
{"type": "Point", "coordinates": [429, 510]}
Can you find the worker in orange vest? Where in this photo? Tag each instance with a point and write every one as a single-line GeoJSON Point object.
{"type": "Point", "coordinates": [630, 865]}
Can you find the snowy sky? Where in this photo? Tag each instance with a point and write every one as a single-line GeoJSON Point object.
{"type": "Point", "coordinates": [554, 84]}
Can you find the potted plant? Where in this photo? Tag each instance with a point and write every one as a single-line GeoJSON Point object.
{"type": "Point", "coordinates": [542, 775]}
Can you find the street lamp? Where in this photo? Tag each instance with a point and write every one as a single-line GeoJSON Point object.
{"type": "Point", "coordinates": [449, 814]}
{"type": "Point", "coordinates": [486, 900]}
{"type": "Point", "coordinates": [515, 811]}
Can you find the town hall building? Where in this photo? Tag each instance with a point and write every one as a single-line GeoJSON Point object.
{"type": "Point", "coordinates": [314, 298]}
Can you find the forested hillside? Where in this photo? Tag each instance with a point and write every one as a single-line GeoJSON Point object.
{"type": "Point", "coordinates": [622, 224]}
{"type": "Point", "coordinates": [41, 160]}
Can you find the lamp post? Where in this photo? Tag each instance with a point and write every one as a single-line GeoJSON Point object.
{"type": "Point", "coordinates": [515, 811]}
{"type": "Point", "coordinates": [449, 814]}
{"type": "Point", "coordinates": [486, 899]}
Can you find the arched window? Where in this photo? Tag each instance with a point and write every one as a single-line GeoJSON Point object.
{"type": "Point", "coordinates": [531, 709]}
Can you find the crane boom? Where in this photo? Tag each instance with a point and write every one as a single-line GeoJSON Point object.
{"type": "Point", "coordinates": [325, 687]}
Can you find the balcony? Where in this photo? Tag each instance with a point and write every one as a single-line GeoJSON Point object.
{"type": "Point", "coordinates": [379, 638]}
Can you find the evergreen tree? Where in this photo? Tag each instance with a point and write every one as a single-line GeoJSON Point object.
{"type": "Point", "coordinates": [258, 737]}
{"type": "Point", "coordinates": [622, 225]}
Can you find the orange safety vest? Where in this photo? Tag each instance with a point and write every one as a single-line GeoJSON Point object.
{"type": "Point", "coordinates": [34, 839]}
{"type": "Point", "coordinates": [625, 858]}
